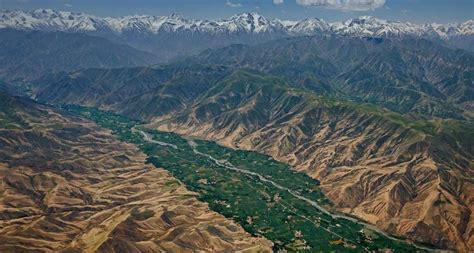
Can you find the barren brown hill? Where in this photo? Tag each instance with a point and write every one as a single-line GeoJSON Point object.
{"type": "Point", "coordinates": [384, 125]}
{"type": "Point", "coordinates": [68, 186]}
{"type": "Point", "coordinates": [411, 178]}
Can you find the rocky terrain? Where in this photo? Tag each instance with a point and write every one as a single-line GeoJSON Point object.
{"type": "Point", "coordinates": [407, 181]}
{"type": "Point", "coordinates": [411, 177]}
{"type": "Point", "coordinates": [69, 186]}
{"type": "Point", "coordinates": [384, 123]}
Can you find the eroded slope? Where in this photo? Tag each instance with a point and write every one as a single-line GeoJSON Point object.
{"type": "Point", "coordinates": [408, 171]}
{"type": "Point", "coordinates": [410, 178]}
{"type": "Point", "coordinates": [66, 185]}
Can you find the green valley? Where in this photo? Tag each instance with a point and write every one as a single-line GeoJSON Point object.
{"type": "Point", "coordinates": [265, 196]}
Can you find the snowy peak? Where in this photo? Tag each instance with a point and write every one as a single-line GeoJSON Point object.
{"type": "Point", "coordinates": [310, 26]}
{"type": "Point", "coordinates": [151, 24]}
{"type": "Point", "coordinates": [466, 28]}
{"type": "Point", "coordinates": [253, 23]}
{"type": "Point", "coordinates": [372, 26]}
{"type": "Point", "coordinates": [450, 30]}
{"type": "Point", "coordinates": [250, 22]}
{"type": "Point", "coordinates": [46, 19]}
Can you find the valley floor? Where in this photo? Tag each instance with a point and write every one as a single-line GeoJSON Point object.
{"type": "Point", "coordinates": [67, 185]}
{"type": "Point", "coordinates": [266, 197]}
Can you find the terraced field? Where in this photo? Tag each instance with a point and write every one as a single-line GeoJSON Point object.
{"type": "Point", "coordinates": [266, 197]}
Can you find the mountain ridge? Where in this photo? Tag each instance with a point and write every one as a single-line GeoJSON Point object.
{"type": "Point", "coordinates": [407, 167]}
{"type": "Point", "coordinates": [47, 19]}
{"type": "Point", "coordinates": [401, 75]}
{"type": "Point", "coordinates": [171, 37]}
{"type": "Point", "coordinates": [30, 54]}
{"type": "Point", "coordinates": [279, 98]}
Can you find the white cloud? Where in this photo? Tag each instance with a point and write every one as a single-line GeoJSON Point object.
{"type": "Point", "coordinates": [68, 5]}
{"type": "Point", "coordinates": [233, 5]}
{"type": "Point", "coordinates": [277, 1]}
{"type": "Point", "coordinates": [350, 5]}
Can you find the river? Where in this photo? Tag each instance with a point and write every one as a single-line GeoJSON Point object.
{"type": "Point", "coordinates": [227, 165]}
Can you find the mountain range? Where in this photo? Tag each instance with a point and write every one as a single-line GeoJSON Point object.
{"type": "Point", "coordinates": [383, 124]}
{"type": "Point", "coordinates": [165, 35]}
{"type": "Point", "coordinates": [46, 19]}
{"type": "Point", "coordinates": [379, 112]}
{"type": "Point", "coordinates": [407, 75]}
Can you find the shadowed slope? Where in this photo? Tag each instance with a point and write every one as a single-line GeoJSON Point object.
{"type": "Point", "coordinates": [407, 76]}
{"type": "Point", "coordinates": [28, 55]}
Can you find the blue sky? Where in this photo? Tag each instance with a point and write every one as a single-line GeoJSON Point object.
{"type": "Point", "coordinates": [418, 11]}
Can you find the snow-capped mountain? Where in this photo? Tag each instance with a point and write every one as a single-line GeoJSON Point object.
{"type": "Point", "coordinates": [50, 20]}
{"type": "Point", "coordinates": [172, 36]}
{"type": "Point", "coordinates": [309, 26]}
{"type": "Point", "coordinates": [371, 26]}
{"type": "Point", "coordinates": [246, 22]}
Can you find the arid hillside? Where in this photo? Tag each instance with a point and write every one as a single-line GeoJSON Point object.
{"type": "Point", "coordinates": [410, 178]}
{"type": "Point", "coordinates": [390, 144]}
{"type": "Point", "coordinates": [68, 186]}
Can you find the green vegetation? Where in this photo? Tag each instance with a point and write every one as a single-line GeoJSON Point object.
{"type": "Point", "coordinates": [275, 207]}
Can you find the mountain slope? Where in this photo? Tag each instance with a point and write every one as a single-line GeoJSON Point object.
{"type": "Point", "coordinates": [69, 186]}
{"type": "Point", "coordinates": [27, 55]}
{"type": "Point", "coordinates": [406, 181]}
{"type": "Point", "coordinates": [416, 174]}
{"type": "Point", "coordinates": [412, 77]}
{"type": "Point", "coordinates": [407, 75]}
{"type": "Point", "coordinates": [154, 92]}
